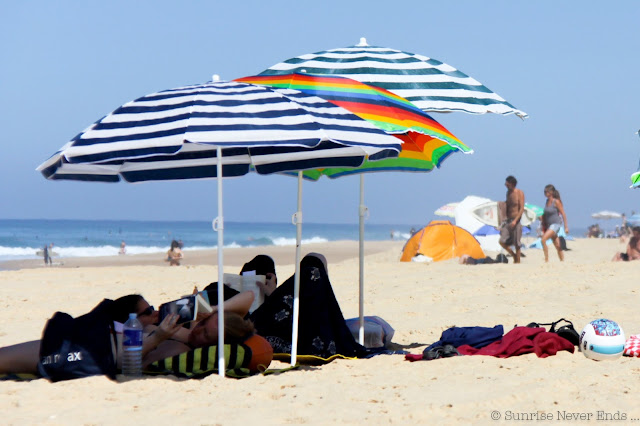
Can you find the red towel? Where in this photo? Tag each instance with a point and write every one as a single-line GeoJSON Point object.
{"type": "Point", "coordinates": [522, 340]}
{"type": "Point", "coordinates": [413, 357]}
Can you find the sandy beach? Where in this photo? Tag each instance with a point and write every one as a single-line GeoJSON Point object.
{"type": "Point", "coordinates": [418, 300]}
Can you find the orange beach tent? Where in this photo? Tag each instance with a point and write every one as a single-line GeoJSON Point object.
{"type": "Point", "coordinates": [440, 240]}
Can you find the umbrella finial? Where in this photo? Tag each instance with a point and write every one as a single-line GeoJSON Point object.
{"type": "Point", "coordinates": [215, 77]}
{"type": "Point", "coordinates": [363, 42]}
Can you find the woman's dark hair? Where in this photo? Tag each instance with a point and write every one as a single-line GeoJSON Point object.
{"type": "Point", "coordinates": [553, 191]}
{"type": "Point", "coordinates": [174, 244]}
{"type": "Point", "coordinates": [124, 306]}
{"type": "Point", "coordinates": [262, 264]}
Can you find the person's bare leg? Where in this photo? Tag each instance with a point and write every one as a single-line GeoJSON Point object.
{"type": "Point", "coordinates": [547, 234]}
{"type": "Point", "coordinates": [508, 249]}
{"type": "Point", "coordinates": [20, 358]}
{"type": "Point", "coordinates": [516, 258]}
{"type": "Point", "coordinates": [556, 243]}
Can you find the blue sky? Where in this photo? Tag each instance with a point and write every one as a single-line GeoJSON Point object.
{"type": "Point", "coordinates": [572, 66]}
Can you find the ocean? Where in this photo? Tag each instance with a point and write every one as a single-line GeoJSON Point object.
{"type": "Point", "coordinates": [21, 239]}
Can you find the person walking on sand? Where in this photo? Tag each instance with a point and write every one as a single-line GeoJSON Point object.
{"type": "Point", "coordinates": [511, 228]}
{"type": "Point", "coordinates": [552, 220]}
{"type": "Point", "coordinates": [47, 256]}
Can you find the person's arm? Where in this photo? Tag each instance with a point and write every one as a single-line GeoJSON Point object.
{"type": "Point", "coordinates": [240, 303]}
{"type": "Point", "coordinates": [520, 201]}
{"type": "Point", "coordinates": [564, 216]}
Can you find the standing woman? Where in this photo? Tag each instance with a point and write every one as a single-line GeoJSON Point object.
{"type": "Point", "coordinates": [552, 221]}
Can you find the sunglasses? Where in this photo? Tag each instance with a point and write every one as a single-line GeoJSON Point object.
{"type": "Point", "coordinates": [147, 311]}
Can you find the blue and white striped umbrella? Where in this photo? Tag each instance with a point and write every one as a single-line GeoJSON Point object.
{"type": "Point", "coordinates": [182, 133]}
{"type": "Point", "coordinates": [429, 84]}
{"type": "Point", "coordinates": [174, 134]}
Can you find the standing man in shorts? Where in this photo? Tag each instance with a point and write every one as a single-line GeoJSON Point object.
{"type": "Point", "coordinates": [511, 228]}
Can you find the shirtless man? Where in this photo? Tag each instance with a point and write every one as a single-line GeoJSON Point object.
{"type": "Point", "coordinates": [511, 228]}
{"type": "Point", "coordinates": [633, 248]}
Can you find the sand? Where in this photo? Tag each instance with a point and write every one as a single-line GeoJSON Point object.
{"type": "Point", "coordinates": [418, 300]}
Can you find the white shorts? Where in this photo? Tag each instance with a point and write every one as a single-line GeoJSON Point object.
{"type": "Point", "coordinates": [555, 227]}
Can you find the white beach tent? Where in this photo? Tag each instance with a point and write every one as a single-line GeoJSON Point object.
{"type": "Point", "coordinates": [466, 220]}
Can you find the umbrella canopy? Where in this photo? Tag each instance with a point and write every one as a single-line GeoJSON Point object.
{"type": "Point", "coordinates": [634, 220]}
{"type": "Point", "coordinates": [426, 82]}
{"type": "Point", "coordinates": [485, 230]}
{"type": "Point", "coordinates": [448, 210]}
{"type": "Point", "coordinates": [174, 134]}
{"type": "Point", "coordinates": [606, 214]}
{"type": "Point", "coordinates": [220, 129]}
{"type": "Point", "coordinates": [386, 110]}
{"type": "Point", "coordinates": [426, 142]}
{"type": "Point", "coordinates": [537, 210]}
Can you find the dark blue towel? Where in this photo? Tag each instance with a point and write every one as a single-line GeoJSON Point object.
{"type": "Point", "coordinates": [478, 337]}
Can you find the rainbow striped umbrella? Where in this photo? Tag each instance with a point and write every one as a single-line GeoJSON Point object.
{"type": "Point", "coordinates": [426, 143]}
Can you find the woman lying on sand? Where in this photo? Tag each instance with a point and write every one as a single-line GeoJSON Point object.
{"type": "Point", "coordinates": [161, 341]}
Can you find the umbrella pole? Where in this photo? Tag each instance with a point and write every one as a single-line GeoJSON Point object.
{"type": "Point", "coordinates": [362, 213]}
{"type": "Point", "coordinates": [219, 228]}
{"type": "Point", "coordinates": [297, 220]}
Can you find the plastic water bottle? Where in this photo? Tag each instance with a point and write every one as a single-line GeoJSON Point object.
{"type": "Point", "coordinates": [132, 347]}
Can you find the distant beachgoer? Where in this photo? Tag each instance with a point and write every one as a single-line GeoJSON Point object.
{"type": "Point", "coordinates": [552, 220]}
{"type": "Point", "coordinates": [511, 228]}
{"type": "Point", "coordinates": [633, 248]}
{"type": "Point", "coordinates": [174, 255]}
{"type": "Point", "coordinates": [625, 229]}
{"type": "Point", "coordinates": [47, 256]}
{"type": "Point", "coordinates": [123, 248]}
{"type": "Point", "coordinates": [594, 231]}
{"type": "Point", "coordinates": [180, 244]}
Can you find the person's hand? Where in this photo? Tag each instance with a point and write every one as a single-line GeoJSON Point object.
{"type": "Point", "coordinates": [168, 327]}
{"type": "Point", "coordinates": [514, 223]}
{"type": "Point", "coordinates": [269, 285]}
{"type": "Point", "coordinates": [566, 229]}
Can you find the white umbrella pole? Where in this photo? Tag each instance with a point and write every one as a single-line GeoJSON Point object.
{"type": "Point", "coordinates": [362, 213]}
{"type": "Point", "coordinates": [219, 227]}
{"type": "Point", "coordinates": [297, 220]}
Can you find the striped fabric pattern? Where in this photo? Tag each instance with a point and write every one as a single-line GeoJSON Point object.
{"type": "Point", "coordinates": [174, 134]}
{"type": "Point", "coordinates": [429, 84]}
{"type": "Point", "coordinates": [426, 143]}
{"type": "Point", "coordinates": [201, 362]}
{"type": "Point", "coordinates": [420, 153]}
{"type": "Point", "coordinates": [386, 110]}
